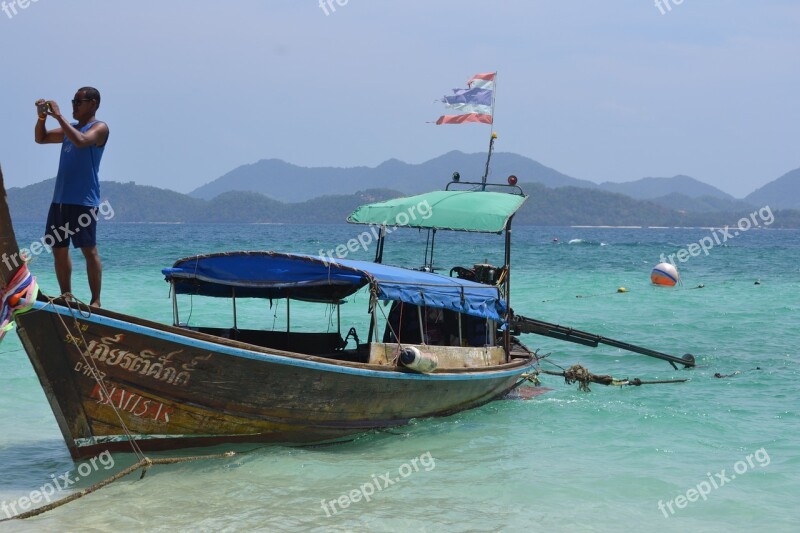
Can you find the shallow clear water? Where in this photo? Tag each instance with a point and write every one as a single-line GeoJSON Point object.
{"type": "Point", "coordinates": [563, 461]}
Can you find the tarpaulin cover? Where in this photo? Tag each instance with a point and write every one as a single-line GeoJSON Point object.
{"type": "Point", "coordinates": [305, 277]}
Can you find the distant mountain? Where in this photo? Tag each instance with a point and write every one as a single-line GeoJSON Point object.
{"type": "Point", "coordinates": [783, 193]}
{"type": "Point", "coordinates": [546, 206]}
{"type": "Point", "coordinates": [577, 206]}
{"type": "Point", "coordinates": [703, 204]}
{"type": "Point", "coordinates": [275, 191]}
{"type": "Point", "coordinates": [574, 206]}
{"type": "Point", "coordinates": [130, 202]}
{"type": "Point", "coordinates": [286, 182]}
{"type": "Point", "coordinates": [650, 188]}
{"type": "Point", "coordinates": [248, 207]}
{"type": "Point", "coordinates": [31, 203]}
{"type": "Point", "coordinates": [290, 183]}
{"type": "Point", "coordinates": [139, 203]}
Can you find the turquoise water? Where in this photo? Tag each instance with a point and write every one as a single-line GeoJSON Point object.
{"type": "Point", "coordinates": [562, 461]}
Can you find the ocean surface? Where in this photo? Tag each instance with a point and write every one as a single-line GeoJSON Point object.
{"type": "Point", "coordinates": [711, 454]}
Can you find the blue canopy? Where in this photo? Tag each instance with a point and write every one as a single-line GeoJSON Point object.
{"type": "Point", "coordinates": [305, 277]}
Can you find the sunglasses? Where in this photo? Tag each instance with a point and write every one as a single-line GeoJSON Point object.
{"type": "Point", "coordinates": [79, 102]}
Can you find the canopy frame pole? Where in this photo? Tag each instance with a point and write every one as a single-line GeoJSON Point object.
{"type": "Point", "coordinates": [427, 243]}
{"type": "Point", "coordinates": [373, 326]}
{"type": "Point", "coordinates": [433, 241]}
{"type": "Point", "coordinates": [507, 331]}
{"type": "Point", "coordinates": [379, 249]}
{"type": "Point", "coordinates": [421, 328]}
{"type": "Point", "coordinates": [430, 241]}
{"type": "Point", "coordinates": [288, 324]}
{"type": "Point", "coordinates": [235, 323]}
{"type": "Point", "coordinates": [175, 318]}
{"type": "Point", "coordinates": [460, 336]}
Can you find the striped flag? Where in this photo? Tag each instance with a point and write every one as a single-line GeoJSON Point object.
{"type": "Point", "coordinates": [475, 103]}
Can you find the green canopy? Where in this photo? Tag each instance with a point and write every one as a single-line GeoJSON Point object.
{"type": "Point", "coordinates": [482, 211]}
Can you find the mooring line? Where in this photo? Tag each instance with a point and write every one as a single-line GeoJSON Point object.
{"type": "Point", "coordinates": [582, 376]}
{"type": "Point", "coordinates": [94, 370]}
{"type": "Point", "coordinates": [143, 464]}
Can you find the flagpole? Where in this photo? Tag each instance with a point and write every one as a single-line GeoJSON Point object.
{"type": "Point", "coordinates": [492, 137]}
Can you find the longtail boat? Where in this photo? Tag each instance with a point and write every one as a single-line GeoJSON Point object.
{"type": "Point", "coordinates": [446, 344]}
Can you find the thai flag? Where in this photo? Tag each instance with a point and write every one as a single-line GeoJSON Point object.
{"type": "Point", "coordinates": [475, 103]}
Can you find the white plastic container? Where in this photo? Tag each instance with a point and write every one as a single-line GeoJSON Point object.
{"type": "Point", "coordinates": [414, 359]}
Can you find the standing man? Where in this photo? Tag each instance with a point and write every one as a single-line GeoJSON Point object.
{"type": "Point", "coordinates": [73, 213]}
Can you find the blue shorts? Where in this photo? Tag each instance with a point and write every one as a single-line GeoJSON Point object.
{"type": "Point", "coordinates": [69, 222]}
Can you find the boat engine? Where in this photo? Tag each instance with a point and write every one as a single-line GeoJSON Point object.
{"type": "Point", "coordinates": [463, 273]}
{"type": "Point", "coordinates": [481, 272]}
{"type": "Point", "coordinates": [486, 273]}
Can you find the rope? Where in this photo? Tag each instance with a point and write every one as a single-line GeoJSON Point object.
{"type": "Point", "coordinates": [92, 365]}
{"type": "Point", "coordinates": [582, 376]}
{"type": "Point", "coordinates": [144, 464]}
{"type": "Point", "coordinates": [533, 377]}
{"type": "Point", "coordinates": [577, 373]}
{"type": "Point", "coordinates": [721, 376]}
{"type": "Point", "coordinates": [396, 356]}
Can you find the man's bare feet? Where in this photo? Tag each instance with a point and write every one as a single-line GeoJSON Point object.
{"type": "Point", "coordinates": [95, 303]}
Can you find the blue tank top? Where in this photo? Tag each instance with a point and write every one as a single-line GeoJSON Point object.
{"type": "Point", "coordinates": [78, 179]}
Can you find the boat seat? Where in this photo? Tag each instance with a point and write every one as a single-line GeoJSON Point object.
{"type": "Point", "coordinates": [300, 342]}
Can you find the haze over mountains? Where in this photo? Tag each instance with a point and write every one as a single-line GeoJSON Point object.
{"type": "Point", "coordinates": [647, 188]}
{"type": "Point", "coordinates": [784, 192]}
{"type": "Point", "coordinates": [291, 183]}
{"type": "Point", "coordinates": [275, 191]}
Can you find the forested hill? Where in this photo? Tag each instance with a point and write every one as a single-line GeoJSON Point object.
{"type": "Point", "coordinates": [561, 206]}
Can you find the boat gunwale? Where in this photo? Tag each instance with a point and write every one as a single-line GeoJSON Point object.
{"type": "Point", "coordinates": [241, 349]}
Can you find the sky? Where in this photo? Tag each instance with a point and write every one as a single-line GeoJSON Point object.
{"type": "Point", "coordinates": [612, 90]}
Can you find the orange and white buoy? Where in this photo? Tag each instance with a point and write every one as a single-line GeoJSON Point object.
{"type": "Point", "coordinates": [665, 274]}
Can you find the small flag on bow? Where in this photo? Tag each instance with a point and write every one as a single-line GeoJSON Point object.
{"type": "Point", "coordinates": [475, 103]}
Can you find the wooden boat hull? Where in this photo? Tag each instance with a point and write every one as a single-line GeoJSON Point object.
{"type": "Point", "coordinates": [173, 388]}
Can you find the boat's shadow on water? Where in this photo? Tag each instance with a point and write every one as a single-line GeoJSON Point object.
{"type": "Point", "coordinates": [29, 466]}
